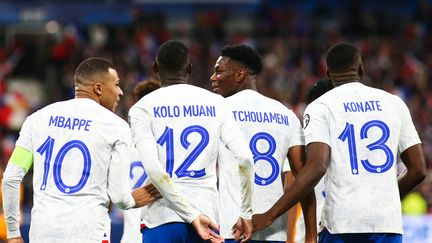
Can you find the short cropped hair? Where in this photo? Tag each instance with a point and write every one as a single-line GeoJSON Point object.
{"type": "Point", "coordinates": [90, 68]}
{"type": "Point", "coordinates": [342, 57]}
{"type": "Point", "coordinates": [318, 89]}
{"type": "Point", "coordinates": [172, 57]}
{"type": "Point", "coordinates": [245, 55]}
{"type": "Point", "coordinates": [144, 87]}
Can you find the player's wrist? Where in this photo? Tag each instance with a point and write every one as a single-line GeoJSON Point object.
{"type": "Point", "coordinates": [13, 233]}
{"type": "Point", "coordinates": [246, 215]}
{"type": "Point", "coordinates": [193, 216]}
{"type": "Point", "coordinates": [271, 214]}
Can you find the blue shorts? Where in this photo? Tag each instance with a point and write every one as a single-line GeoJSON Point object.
{"type": "Point", "coordinates": [326, 237]}
{"type": "Point", "coordinates": [171, 232]}
{"type": "Point", "coordinates": [253, 241]}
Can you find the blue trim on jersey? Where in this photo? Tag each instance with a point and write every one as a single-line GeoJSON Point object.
{"type": "Point", "coordinates": [171, 232]}
{"type": "Point", "coordinates": [327, 237]}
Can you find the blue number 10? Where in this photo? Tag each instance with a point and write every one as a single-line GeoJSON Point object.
{"type": "Point", "coordinates": [47, 148]}
{"type": "Point", "coordinates": [348, 135]}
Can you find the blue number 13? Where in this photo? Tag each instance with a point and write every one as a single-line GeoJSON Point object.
{"type": "Point", "coordinates": [348, 135]}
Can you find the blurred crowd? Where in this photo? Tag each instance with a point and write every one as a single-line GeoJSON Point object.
{"type": "Point", "coordinates": [396, 49]}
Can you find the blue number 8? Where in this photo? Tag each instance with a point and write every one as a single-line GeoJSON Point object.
{"type": "Point", "coordinates": [267, 156]}
{"type": "Point", "coordinates": [47, 147]}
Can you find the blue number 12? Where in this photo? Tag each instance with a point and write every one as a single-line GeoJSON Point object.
{"type": "Point", "coordinates": [348, 135]}
{"type": "Point", "coordinates": [167, 138]}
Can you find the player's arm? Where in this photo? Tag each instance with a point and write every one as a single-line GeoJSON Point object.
{"type": "Point", "coordinates": [414, 161]}
{"type": "Point", "coordinates": [243, 228]}
{"type": "Point", "coordinates": [118, 179]}
{"type": "Point", "coordinates": [245, 160]}
{"type": "Point", "coordinates": [233, 139]}
{"type": "Point", "coordinates": [411, 153]}
{"type": "Point", "coordinates": [296, 157]}
{"type": "Point", "coordinates": [18, 166]}
{"type": "Point", "coordinates": [318, 155]}
{"type": "Point", "coordinates": [293, 212]}
{"type": "Point", "coordinates": [147, 151]}
{"type": "Point", "coordinates": [317, 158]}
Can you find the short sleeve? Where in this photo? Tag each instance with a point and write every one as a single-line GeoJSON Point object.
{"type": "Point", "coordinates": [118, 187]}
{"type": "Point", "coordinates": [230, 130]}
{"type": "Point", "coordinates": [285, 166]}
{"type": "Point", "coordinates": [140, 123]}
{"type": "Point", "coordinates": [408, 133]}
{"type": "Point", "coordinates": [24, 139]}
{"type": "Point", "coordinates": [315, 124]}
{"type": "Point", "coordinates": [297, 136]}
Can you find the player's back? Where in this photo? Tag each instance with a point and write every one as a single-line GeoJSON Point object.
{"type": "Point", "coordinates": [366, 128]}
{"type": "Point", "coordinates": [187, 124]}
{"type": "Point", "coordinates": [72, 144]}
{"type": "Point", "coordinates": [271, 129]}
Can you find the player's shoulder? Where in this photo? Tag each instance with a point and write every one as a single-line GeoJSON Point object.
{"type": "Point", "coordinates": [254, 97]}
{"type": "Point", "coordinates": [50, 109]}
{"type": "Point", "coordinates": [202, 91]}
{"type": "Point", "coordinates": [181, 91]}
{"type": "Point", "coordinates": [203, 96]}
{"type": "Point", "coordinates": [321, 104]}
{"type": "Point", "coordinates": [383, 95]}
{"type": "Point", "coordinates": [97, 112]}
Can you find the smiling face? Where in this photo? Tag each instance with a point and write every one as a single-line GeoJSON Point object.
{"type": "Point", "coordinates": [111, 91]}
{"type": "Point", "coordinates": [224, 79]}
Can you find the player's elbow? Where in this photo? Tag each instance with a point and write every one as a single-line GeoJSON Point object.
{"type": "Point", "coordinates": [245, 161]}
{"type": "Point", "coordinates": [123, 200]}
{"type": "Point", "coordinates": [320, 171]}
{"type": "Point", "coordinates": [415, 162]}
{"type": "Point", "coordinates": [11, 180]}
{"type": "Point", "coordinates": [419, 174]}
{"type": "Point", "coordinates": [316, 173]}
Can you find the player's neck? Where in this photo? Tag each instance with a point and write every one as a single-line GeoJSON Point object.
{"type": "Point", "coordinates": [345, 77]}
{"type": "Point", "coordinates": [173, 80]}
{"type": "Point", "coordinates": [82, 93]}
{"type": "Point", "coordinates": [250, 84]}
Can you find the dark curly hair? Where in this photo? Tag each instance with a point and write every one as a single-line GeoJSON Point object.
{"type": "Point", "coordinates": [245, 55]}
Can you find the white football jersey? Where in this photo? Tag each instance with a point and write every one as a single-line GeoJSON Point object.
{"type": "Point", "coordinates": [132, 217]}
{"type": "Point", "coordinates": [271, 129]}
{"type": "Point", "coordinates": [187, 123]}
{"type": "Point", "coordinates": [366, 129]}
{"type": "Point", "coordinates": [81, 153]}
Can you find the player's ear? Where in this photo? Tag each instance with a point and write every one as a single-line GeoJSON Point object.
{"type": "Point", "coordinates": [360, 70]}
{"type": "Point", "coordinates": [155, 67]}
{"type": "Point", "coordinates": [97, 89]}
{"type": "Point", "coordinates": [189, 69]}
{"type": "Point", "coordinates": [241, 75]}
{"type": "Point", "coordinates": [328, 73]}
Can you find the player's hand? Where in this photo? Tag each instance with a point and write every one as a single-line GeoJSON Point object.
{"type": "Point", "coordinates": [145, 195]}
{"type": "Point", "coordinates": [18, 239]}
{"type": "Point", "coordinates": [243, 230]}
{"type": "Point", "coordinates": [261, 221]}
{"type": "Point", "coordinates": [204, 227]}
